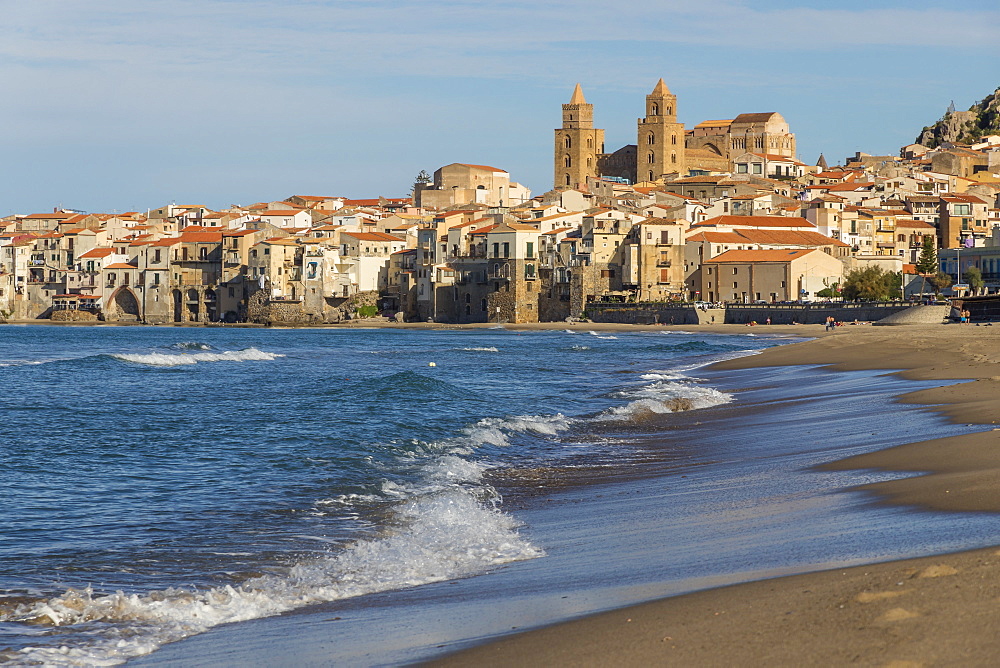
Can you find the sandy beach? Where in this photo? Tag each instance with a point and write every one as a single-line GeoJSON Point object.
{"type": "Point", "coordinates": [931, 611]}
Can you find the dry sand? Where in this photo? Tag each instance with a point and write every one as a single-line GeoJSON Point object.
{"type": "Point", "coordinates": [932, 611]}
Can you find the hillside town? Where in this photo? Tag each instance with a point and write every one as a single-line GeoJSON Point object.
{"type": "Point", "coordinates": [723, 211]}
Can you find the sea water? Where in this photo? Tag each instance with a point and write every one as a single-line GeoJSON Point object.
{"type": "Point", "coordinates": [159, 482]}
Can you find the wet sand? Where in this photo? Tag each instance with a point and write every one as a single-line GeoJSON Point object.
{"type": "Point", "coordinates": [931, 611]}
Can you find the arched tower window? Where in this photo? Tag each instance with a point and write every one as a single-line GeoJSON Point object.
{"type": "Point", "coordinates": [590, 162]}
{"type": "Point", "coordinates": [654, 109]}
{"type": "Point", "coordinates": [670, 110]}
{"type": "Point", "coordinates": [569, 142]}
{"type": "Point", "coordinates": [651, 176]}
{"type": "Point", "coordinates": [567, 161]}
{"type": "Point", "coordinates": [590, 142]}
{"type": "Point", "coordinates": [673, 139]}
{"type": "Point", "coordinates": [651, 139]}
{"type": "Point", "coordinates": [567, 179]}
{"type": "Point", "coordinates": [650, 158]}
{"type": "Point", "coordinates": [673, 157]}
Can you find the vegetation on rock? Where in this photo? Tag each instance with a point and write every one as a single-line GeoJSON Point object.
{"type": "Point", "coordinates": [965, 127]}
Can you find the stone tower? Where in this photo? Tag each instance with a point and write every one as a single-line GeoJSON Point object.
{"type": "Point", "coordinates": [660, 138]}
{"type": "Point", "coordinates": [577, 143]}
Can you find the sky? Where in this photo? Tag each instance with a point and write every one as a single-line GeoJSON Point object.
{"type": "Point", "coordinates": [118, 105]}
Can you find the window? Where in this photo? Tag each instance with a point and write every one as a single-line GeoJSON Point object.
{"type": "Point", "coordinates": [567, 161]}
{"type": "Point", "coordinates": [607, 273]}
{"type": "Point", "coordinates": [741, 168]}
{"type": "Point", "coordinates": [496, 250]}
{"type": "Point", "coordinates": [654, 109]}
{"type": "Point", "coordinates": [506, 249]}
{"type": "Point", "coordinates": [568, 142]}
{"type": "Point", "coordinates": [673, 139]}
{"type": "Point", "coordinates": [757, 168]}
{"type": "Point", "coordinates": [651, 139]}
{"type": "Point", "coordinates": [650, 158]}
{"type": "Point", "coordinates": [203, 253]}
{"type": "Point", "coordinates": [529, 249]}
{"type": "Point", "coordinates": [735, 271]}
{"type": "Point", "coordinates": [156, 256]}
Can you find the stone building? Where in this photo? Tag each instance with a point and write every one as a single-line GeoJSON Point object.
{"type": "Point", "coordinates": [578, 144]}
{"type": "Point", "coordinates": [766, 132]}
{"type": "Point", "coordinates": [747, 276]}
{"type": "Point", "coordinates": [461, 183]}
{"type": "Point", "coordinates": [659, 137]}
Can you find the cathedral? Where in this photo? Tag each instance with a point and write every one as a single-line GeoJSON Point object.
{"type": "Point", "coordinates": [663, 150]}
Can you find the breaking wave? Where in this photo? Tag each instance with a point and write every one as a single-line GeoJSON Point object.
{"type": "Point", "coordinates": [434, 538]}
{"type": "Point", "coordinates": [185, 359]}
{"type": "Point", "coordinates": [663, 396]}
{"type": "Point", "coordinates": [483, 349]}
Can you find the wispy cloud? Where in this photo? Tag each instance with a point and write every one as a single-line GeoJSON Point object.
{"type": "Point", "coordinates": [177, 80]}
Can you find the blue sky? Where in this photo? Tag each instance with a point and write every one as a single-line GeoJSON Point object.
{"type": "Point", "coordinates": [131, 104]}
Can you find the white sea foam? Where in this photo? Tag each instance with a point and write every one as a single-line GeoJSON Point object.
{"type": "Point", "coordinates": [664, 396]}
{"type": "Point", "coordinates": [191, 345]}
{"type": "Point", "coordinates": [600, 336]}
{"type": "Point", "coordinates": [494, 431]}
{"type": "Point", "coordinates": [24, 362]}
{"type": "Point", "coordinates": [661, 375]}
{"type": "Point", "coordinates": [569, 331]}
{"type": "Point", "coordinates": [435, 538]}
{"type": "Point", "coordinates": [483, 349]}
{"type": "Point", "coordinates": [184, 359]}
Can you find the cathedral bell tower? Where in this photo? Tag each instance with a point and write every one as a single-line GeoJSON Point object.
{"type": "Point", "coordinates": [660, 138]}
{"type": "Point", "coordinates": [577, 143]}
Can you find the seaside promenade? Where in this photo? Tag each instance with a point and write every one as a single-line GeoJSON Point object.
{"type": "Point", "coordinates": [938, 610]}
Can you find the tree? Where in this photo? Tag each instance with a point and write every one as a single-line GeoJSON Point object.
{"type": "Point", "coordinates": [940, 281]}
{"type": "Point", "coordinates": [927, 263]}
{"type": "Point", "coordinates": [871, 284]}
{"type": "Point", "coordinates": [974, 278]}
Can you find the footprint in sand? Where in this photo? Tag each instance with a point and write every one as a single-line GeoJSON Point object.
{"type": "Point", "coordinates": [937, 571]}
{"type": "Point", "coordinates": [897, 615]}
{"type": "Point", "coordinates": [870, 596]}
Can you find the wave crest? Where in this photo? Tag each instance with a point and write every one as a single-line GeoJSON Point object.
{"type": "Point", "coordinates": [440, 537]}
{"type": "Point", "coordinates": [187, 359]}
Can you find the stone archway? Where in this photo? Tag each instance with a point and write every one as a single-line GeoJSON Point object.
{"type": "Point", "coordinates": [193, 304]}
{"type": "Point", "coordinates": [123, 306]}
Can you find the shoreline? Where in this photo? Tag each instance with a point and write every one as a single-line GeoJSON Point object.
{"type": "Point", "coordinates": [805, 331]}
{"type": "Point", "coordinates": [911, 612]}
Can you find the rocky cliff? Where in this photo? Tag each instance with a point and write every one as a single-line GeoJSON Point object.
{"type": "Point", "coordinates": [965, 127]}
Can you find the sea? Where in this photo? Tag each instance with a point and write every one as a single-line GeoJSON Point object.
{"type": "Point", "coordinates": [164, 484]}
